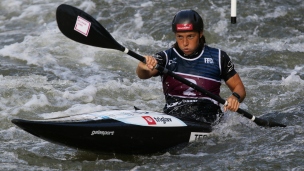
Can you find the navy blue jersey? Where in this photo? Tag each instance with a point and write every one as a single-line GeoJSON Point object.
{"type": "Point", "coordinates": [206, 70]}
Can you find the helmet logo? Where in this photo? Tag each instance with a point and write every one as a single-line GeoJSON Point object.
{"type": "Point", "coordinates": [184, 27]}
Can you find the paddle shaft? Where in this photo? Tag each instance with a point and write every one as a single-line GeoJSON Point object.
{"type": "Point", "coordinates": [98, 36]}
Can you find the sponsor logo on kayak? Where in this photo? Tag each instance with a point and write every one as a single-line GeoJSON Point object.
{"type": "Point", "coordinates": [163, 120]}
{"type": "Point", "coordinates": [103, 133]}
{"type": "Point", "coordinates": [184, 27]}
{"type": "Point", "coordinates": [152, 121]}
{"type": "Point", "coordinates": [149, 120]}
{"type": "Point", "coordinates": [194, 136]}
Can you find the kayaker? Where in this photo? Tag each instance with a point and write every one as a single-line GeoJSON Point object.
{"type": "Point", "coordinates": [195, 61]}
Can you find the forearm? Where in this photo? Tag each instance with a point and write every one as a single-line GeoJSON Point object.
{"type": "Point", "coordinates": [240, 90]}
{"type": "Point", "coordinates": [236, 85]}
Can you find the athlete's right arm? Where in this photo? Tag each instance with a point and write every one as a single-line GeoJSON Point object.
{"type": "Point", "coordinates": [147, 70]}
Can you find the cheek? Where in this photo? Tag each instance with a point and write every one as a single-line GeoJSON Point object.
{"type": "Point", "coordinates": [179, 42]}
{"type": "Point", "coordinates": [180, 45]}
{"type": "Point", "coordinates": [194, 42]}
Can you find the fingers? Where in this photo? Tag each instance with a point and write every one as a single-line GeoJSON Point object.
{"type": "Point", "coordinates": [231, 104]}
{"type": "Point", "coordinates": [151, 62]}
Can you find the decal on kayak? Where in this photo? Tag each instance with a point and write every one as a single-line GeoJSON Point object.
{"type": "Point", "coordinates": [156, 120]}
{"type": "Point", "coordinates": [149, 120]}
{"type": "Point", "coordinates": [197, 136]}
{"type": "Point", "coordinates": [103, 133]}
{"type": "Point", "coordinates": [152, 120]}
{"type": "Point", "coordinates": [163, 119]}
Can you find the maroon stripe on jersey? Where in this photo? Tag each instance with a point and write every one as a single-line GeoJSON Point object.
{"type": "Point", "coordinates": [175, 88]}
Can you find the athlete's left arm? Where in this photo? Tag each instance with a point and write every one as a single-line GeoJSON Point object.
{"type": "Point", "coordinates": [234, 82]}
{"type": "Point", "coordinates": [236, 86]}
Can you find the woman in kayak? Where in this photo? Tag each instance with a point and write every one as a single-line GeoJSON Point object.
{"type": "Point", "coordinates": [193, 60]}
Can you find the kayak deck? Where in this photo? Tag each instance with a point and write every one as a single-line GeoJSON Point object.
{"type": "Point", "coordinates": [119, 132]}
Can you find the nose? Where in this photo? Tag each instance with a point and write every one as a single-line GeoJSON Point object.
{"type": "Point", "coordinates": [185, 42]}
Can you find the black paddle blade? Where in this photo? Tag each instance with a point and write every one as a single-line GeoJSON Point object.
{"type": "Point", "coordinates": [265, 123]}
{"type": "Point", "coordinates": [81, 27]}
{"type": "Point", "coordinates": [259, 121]}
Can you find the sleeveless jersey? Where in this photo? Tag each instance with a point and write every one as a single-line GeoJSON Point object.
{"type": "Point", "coordinates": [204, 70]}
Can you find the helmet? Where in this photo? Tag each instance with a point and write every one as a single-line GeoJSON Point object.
{"type": "Point", "coordinates": [187, 20]}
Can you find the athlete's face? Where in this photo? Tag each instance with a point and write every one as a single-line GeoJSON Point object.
{"type": "Point", "coordinates": [188, 41]}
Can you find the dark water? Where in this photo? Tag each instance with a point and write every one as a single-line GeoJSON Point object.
{"type": "Point", "coordinates": [44, 74]}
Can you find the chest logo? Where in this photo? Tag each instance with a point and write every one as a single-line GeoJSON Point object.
{"type": "Point", "coordinates": [172, 61]}
{"type": "Point", "coordinates": [208, 60]}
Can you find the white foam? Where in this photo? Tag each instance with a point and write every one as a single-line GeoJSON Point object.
{"type": "Point", "coordinates": [221, 27]}
{"type": "Point", "coordinates": [138, 21]}
{"type": "Point", "coordinates": [278, 12]}
{"type": "Point", "coordinates": [292, 79]}
{"type": "Point", "coordinates": [29, 12]}
{"type": "Point", "coordinates": [87, 6]}
{"type": "Point", "coordinates": [37, 101]}
{"type": "Point", "coordinates": [12, 6]}
{"type": "Point", "coordinates": [32, 49]}
{"type": "Point", "coordinates": [7, 134]}
{"type": "Point", "coordinates": [10, 157]}
{"type": "Point", "coordinates": [86, 95]}
{"type": "Point", "coordinates": [147, 4]}
{"type": "Point", "coordinates": [194, 155]}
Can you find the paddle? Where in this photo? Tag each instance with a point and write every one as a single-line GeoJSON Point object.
{"type": "Point", "coordinates": [83, 28]}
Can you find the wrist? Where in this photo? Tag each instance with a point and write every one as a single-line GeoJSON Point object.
{"type": "Point", "coordinates": [237, 96]}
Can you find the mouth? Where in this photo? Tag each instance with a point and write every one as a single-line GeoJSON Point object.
{"type": "Point", "coordinates": [186, 51]}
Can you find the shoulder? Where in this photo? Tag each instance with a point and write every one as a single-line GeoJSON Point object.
{"type": "Point", "coordinates": [227, 66]}
{"type": "Point", "coordinates": [214, 52]}
{"type": "Point", "coordinates": [226, 60]}
{"type": "Point", "coordinates": [207, 47]}
{"type": "Point", "coordinates": [224, 55]}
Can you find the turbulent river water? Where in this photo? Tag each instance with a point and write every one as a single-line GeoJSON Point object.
{"type": "Point", "coordinates": [44, 74]}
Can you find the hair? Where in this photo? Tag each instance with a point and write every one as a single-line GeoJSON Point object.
{"type": "Point", "coordinates": [202, 40]}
